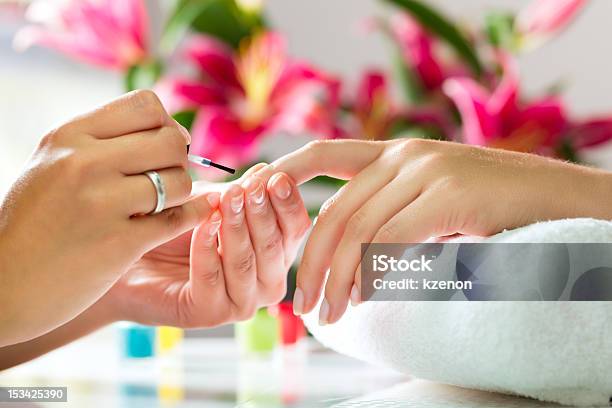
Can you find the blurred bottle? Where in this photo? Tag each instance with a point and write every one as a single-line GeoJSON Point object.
{"type": "Point", "coordinates": [258, 335]}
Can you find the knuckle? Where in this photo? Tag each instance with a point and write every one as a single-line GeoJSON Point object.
{"type": "Point", "coordinates": [314, 148]}
{"type": "Point", "coordinates": [245, 265]}
{"type": "Point", "coordinates": [315, 145]}
{"type": "Point", "coordinates": [146, 98]}
{"type": "Point", "coordinates": [173, 140]}
{"type": "Point", "coordinates": [293, 207]}
{"type": "Point", "coordinates": [212, 276]}
{"type": "Point", "coordinates": [246, 312]}
{"type": "Point", "coordinates": [451, 184]}
{"type": "Point", "coordinates": [433, 162]}
{"type": "Point", "coordinates": [185, 184]}
{"type": "Point", "coordinates": [235, 225]}
{"type": "Point", "coordinates": [148, 103]}
{"type": "Point", "coordinates": [414, 146]}
{"type": "Point", "coordinates": [272, 245]}
{"type": "Point", "coordinates": [76, 164]}
{"type": "Point", "coordinates": [54, 137]}
{"type": "Point", "coordinates": [357, 225]}
{"type": "Point", "coordinates": [388, 233]}
{"type": "Point", "coordinates": [173, 217]}
{"type": "Point", "coordinates": [275, 294]}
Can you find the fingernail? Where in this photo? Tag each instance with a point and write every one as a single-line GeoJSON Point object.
{"type": "Point", "coordinates": [258, 195]}
{"type": "Point", "coordinates": [324, 313]}
{"type": "Point", "coordinates": [282, 188]}
{"type": "Point", "coordinates": [215, 223]}
{"type": "Point", "coordinates": [355, 296]}
{"type": "Point", "coordinates": [298, 302]}
{"type": "Point", "coordinates": [213, 199]}
{"type": "Point", "coordinates": [236, 203]}
{"type": "Point", "coordinates": [185, 133]}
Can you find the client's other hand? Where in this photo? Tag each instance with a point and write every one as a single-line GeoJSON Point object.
{"type": "Point", "coordinates": [227, 267]}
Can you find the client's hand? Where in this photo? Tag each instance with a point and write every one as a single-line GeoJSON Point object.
{"type": "Point", "coordinates": [227, 267]}
{"type": "Point", "coordinates": [410, 190]}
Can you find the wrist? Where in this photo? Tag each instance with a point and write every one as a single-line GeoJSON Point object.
{"type": "Point", "coordinates": [592, 191]}
{"type": "Point", "coordinates": [603, 195]}
{"type": "Point", "coordinates": [106, 310]}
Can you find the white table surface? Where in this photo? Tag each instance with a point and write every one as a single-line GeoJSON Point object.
{"type": "Point", "coordinates": [211, 373]}
{"type": "Point", "coordinates": [202, 372]}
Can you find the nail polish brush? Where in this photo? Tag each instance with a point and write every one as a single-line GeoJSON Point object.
{"type": "Point", "coordinates": [203, 161]}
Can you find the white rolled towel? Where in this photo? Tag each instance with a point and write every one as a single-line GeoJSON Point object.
{"type": "Point", "coordinates": [551, 351]}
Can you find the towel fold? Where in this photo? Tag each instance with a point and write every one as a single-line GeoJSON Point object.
{"type": "Point", "coordinates": [551, 351]}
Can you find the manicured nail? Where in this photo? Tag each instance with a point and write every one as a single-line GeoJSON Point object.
{"type": "Point", "coordinates": [355, 296]}
{"type": "Point", "coordinates": [258, 195]}
{"type": "Point", "coordinates": [298, 302]}
{"type": "Point", "coordinates": [282, 188]}
{"type": "Point", "coordinates": [324, 313]}
{"type": "Point", "coordinates": [215, 223]}
{"type": "Point", "coordinates": [237, 203]}
{"type": "Point", "coordinates": [213, 199]}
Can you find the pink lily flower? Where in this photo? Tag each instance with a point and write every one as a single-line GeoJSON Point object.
{"type": "Point", "coordinates": [108, 33]}
{"type": "Point", "coordinates": [373, 109]}
{"type": "Point", "coordinates": [241, 97]}
{"type": "Point", "coordinates": [375, 112]}
{"type": "Point", "coordinates": [418, 49]}
{"type": "Point", "coordinates": [542, 19]}
{"type": "Point", "coordinates": [499, 119]}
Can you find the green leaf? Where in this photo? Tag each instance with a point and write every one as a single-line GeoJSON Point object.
{"type": "Point", "coordinates": [411, 87]}
{"type": "Point", "coordinates": [499, 28]}
{"type": "Point", "coordinates": [313, 212]}
{"type": "Point", "coordinates": [566, 151]}
{"type": "Point", "coordinates": [224, 19]}
{"type": "Point", "coordinates": [179, 23]}
{"type": "Point", "coordinates": [442, 27]}
{"type": "Point", "coordinates": [404, 129]}
{"type": "Point", "coordinates": [143, 76]}
{"type": "Point", "coordinates": [185, 118]}
{"type": "Point", "coordinates": [327, 181]}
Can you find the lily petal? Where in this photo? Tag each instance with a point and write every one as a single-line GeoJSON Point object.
{"type": "Point", "coordinates": [417, 46]}
{"type": "Point", "coordinates": [218, 135]}
{"type": "Point", "coordinates": [213, 58]}
{"type": "Point", "coordinates": [542, 19]}
{"type": "Point", "coordinates": [591, 133]}
{"type": "Point", "coordinates": [101, 32]}
{"type": "Point", "coordinates": [479, 125]}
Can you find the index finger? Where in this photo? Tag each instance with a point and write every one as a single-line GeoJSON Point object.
{"type": "Point", "coordinates": [133, 112]}
{"type": "Point", "coordinates": [335, 158]}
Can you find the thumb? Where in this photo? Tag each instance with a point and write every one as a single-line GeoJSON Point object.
{"type": "Point", "coordinates": [174, 222]}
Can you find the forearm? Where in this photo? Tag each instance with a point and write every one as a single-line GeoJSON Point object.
{"type": "Point", "coordinates": [97, 316]}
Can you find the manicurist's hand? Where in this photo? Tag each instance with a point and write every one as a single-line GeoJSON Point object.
{"type": "Point", "coordinates": [227, 267]}
{"type": "Point", "coordinates": [407, 191]}
{"type": "Point", "coordinates": [73, 222]}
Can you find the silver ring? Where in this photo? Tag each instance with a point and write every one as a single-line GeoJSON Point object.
{"type": "Point", "coordinates": [160, 190]}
